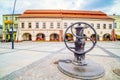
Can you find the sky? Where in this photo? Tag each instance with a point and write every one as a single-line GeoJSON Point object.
{"type": "Point", "coordinates": [107, 6]}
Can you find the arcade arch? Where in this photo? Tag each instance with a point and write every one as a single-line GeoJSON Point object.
{"type": "Point", "coordinates": [27, 37]}
{"type": "Point", "coordinates": [93, 37]}
{"type": "Point", "coordinates": [54, 37]}
{"type": "Point", "coordinates": [107, 37]}
{"type": "Point", "coordinates": [40, 37]}
{"type": "Point", "coordinates": [69, 37]}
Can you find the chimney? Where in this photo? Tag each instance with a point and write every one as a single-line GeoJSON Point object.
{"type": "Point", "coordinates": [114, 14]}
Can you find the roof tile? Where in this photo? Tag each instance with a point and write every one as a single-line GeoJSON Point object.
{"type": "Point", "coordinates": [64, 14]}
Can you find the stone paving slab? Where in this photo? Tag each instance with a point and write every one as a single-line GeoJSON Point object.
{"type": "Point", "coordinates": [44, 68]}
{"type": "Point", "coordinates": [23, 55]}
{"type": "Point", "coordinates": [12, 62]}
{"type": "Point", "coordinates": [4, 51]}
{"type": "Point", "coordinates": [115, 51]}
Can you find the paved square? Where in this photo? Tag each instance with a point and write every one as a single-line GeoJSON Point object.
{"type": "Point", "coordinates": [35, 60]}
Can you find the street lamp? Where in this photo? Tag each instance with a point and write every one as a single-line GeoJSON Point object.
{"type": "Point", "coordinates": [12, 24]}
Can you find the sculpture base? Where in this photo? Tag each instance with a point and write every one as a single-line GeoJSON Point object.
{"type": "Point", "coordinates": [90, 71]}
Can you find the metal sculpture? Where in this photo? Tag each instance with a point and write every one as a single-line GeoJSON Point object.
{"type": "Point", "coordinates": [79, 67]}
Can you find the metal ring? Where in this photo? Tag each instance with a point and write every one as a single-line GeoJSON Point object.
{"type": "Point", "coordinates": [94, 42]}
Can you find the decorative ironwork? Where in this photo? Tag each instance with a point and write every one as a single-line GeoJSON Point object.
{"type": "Point", "coordinates": [79, 67]}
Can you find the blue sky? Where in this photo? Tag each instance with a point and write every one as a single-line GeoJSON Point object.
{"type": "Point", "coordinates": [108, 6]}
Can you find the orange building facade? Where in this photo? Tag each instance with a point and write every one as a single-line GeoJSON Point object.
{"type": "Point", "coordinates": [50, 25]}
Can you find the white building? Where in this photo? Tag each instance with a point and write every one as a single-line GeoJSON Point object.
{"type": "Point", "coordinates": [50, 25]}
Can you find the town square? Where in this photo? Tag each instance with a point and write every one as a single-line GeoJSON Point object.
{"type": "Point", "coordinates": [59, 40]}
{"type": "Point", "coordinates": [35, 60]}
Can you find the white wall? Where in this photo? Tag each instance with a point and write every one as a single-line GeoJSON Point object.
{"type": "Point", "coordinates": [34, 31]}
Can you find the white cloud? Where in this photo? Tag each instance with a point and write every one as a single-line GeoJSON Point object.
{"type": "Point", "coordinates": [81, 4]}
{"type": "Point", "coordinates": [115, 9]}
{"type": "Point", "coordinates": [52, 4]}
{"type": "Point", "coordinates": [22, 5]}
{"type": "Point", "coordinates": [112, 9]}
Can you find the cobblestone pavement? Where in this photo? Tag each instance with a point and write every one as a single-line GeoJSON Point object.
{"type": "Point", "coordinates": [106, 54]}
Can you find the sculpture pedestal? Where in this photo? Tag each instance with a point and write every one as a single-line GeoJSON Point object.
{"type": "Point", "coordinates": [90, 71]}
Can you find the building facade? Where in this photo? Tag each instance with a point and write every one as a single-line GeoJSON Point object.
{"type": "Point", "coordinates": [0, 32]}
{"type": "Point", "coordinates": [50, 25]}
{"type": "Point", "coordinates": [116, 25]}
{"type": "Point", "coordinates": [7, 26]}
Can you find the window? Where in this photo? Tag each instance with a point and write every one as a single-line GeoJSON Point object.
{"type": "Point", "coordinates": [15, 26]}
{"type": "Point", "coordinates": [51, 25]}
{"type": "Point", "coordinates": [104, 26]}
{"type": "Point", "coordinates": [11, 25]}
{"type": "Point", "coordinates": [115, 25]}
{"type": "Point", "coordinates": [22, 25]}
{"type": "Point", "coordinates": [85, 25]}
{"type": "Point", "coordinates": [92, 24]}
{"type": "Point", "coordinates": [98, 26]}
{"type": "Point", "coordinates": [16, 18]}
{"type": "Point", "coordinates": [44, 25]}
{"type": "Point", "coordinates": [6, 26]}
{"type": "Point", "coordinates": [29, 25]}
{"type": "Point", "coordinates": [37, 25]}
{"type": "Point", "coordinates": [110, 26]}
{"type": "Point", "coordinates": [10, 17]}
{"type": "Point", "coordinates": [81, 25]}
{"type": "Point", "coordinates": [58, 25]}
{"type": "Point", "coordinates": [65, 25]}
{"type": "Point", "coordinates": [6, 18]}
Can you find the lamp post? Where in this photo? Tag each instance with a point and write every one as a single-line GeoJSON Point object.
{"type": "Point", "coordinates": [12, 24]}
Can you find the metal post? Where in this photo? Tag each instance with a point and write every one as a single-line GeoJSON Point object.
{"type": "Point", "coordinates": [79, 46]}
{"type": "Point", "coordinates": [12, 25]}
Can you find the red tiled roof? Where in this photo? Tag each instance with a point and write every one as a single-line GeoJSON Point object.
{"type": "Point", "coordinates": [64, 14]}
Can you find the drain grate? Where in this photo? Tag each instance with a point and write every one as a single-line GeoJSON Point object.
{"type": "Point", "coordinates": [117, 71]}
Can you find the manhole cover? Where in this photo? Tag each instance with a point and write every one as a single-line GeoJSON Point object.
{"type": "Point", "coordinates": [117, 71]}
